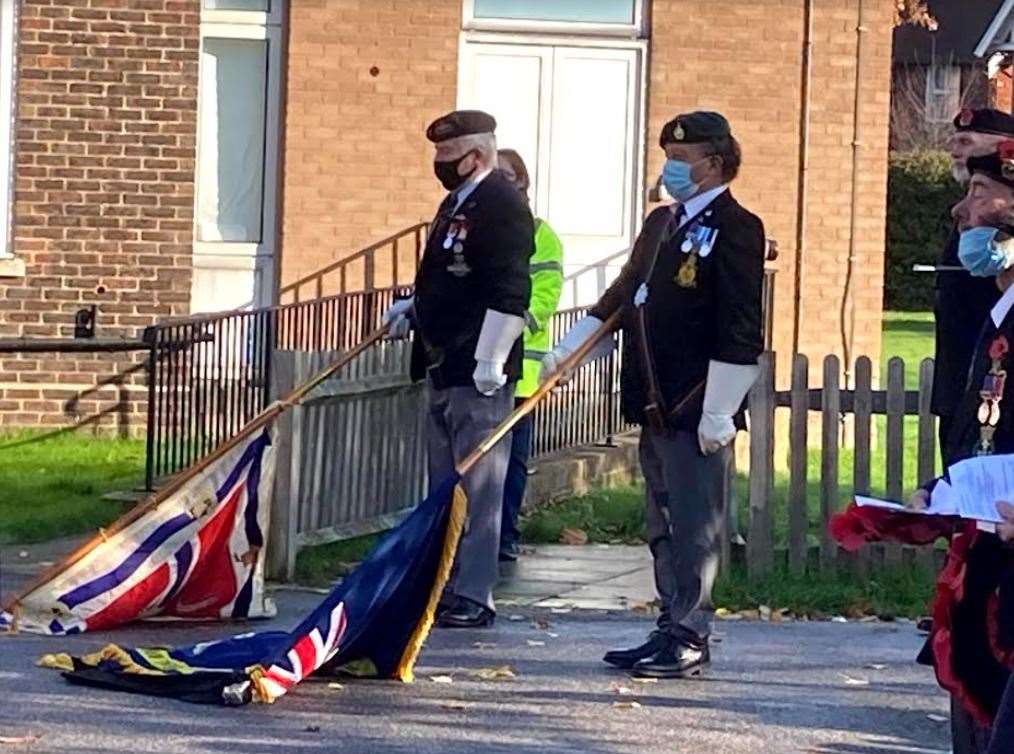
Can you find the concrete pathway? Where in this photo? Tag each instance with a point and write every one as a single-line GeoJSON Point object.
{"type": "Point", "coordinates": [813, 688]}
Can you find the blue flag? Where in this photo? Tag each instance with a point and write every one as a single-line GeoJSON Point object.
{"type": "Point", "coordinates": [377, 618]}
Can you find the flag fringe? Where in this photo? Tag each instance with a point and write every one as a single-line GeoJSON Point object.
{"type": "Point", "coordinates": [455, 525]}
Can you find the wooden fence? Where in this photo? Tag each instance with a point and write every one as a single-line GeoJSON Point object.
{"type": "Point", "coordinates": [842, 413]}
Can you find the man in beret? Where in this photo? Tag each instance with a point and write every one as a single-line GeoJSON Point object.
{"type": "Point", "coordinates": [690, 304]}
{"type": "Point", "coordinates": [471, 294]}
{"type": "Point", "coordinates": [969, 639]}
{"type": "Point", "coordinates": [962, 301]}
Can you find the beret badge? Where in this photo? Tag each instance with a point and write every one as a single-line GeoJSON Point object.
{"type": "Point", "coordinates": [678, 133]}
{"type": "Point", "coordinates": [965, 117]}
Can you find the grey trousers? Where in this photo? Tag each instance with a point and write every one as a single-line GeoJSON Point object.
{"type": "Point", "coordinates": [459, 419]}
{"type": "Point", "coordinates": [686, 496]}
{"type": "Point", "coordinates": [967, 736]}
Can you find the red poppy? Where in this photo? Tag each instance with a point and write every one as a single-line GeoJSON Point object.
{"type": "Point", "coordinates": [965, 117]}
{"type": "Point", "coordinates": [999, 347]}
{"type": "Point", "coordinates": [1005, 149]}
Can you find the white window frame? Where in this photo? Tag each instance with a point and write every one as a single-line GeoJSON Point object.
{"type": "Point", "coordinates": [637, 29]}
{"type": "Point", "coordinates": [251, 25]}
{"type": "Point", "coordinates": [8, 51]}
{"type": "Point", "coordinates": [935, 93]}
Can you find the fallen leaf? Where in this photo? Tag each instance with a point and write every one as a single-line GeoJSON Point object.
{"type": "Point", "coordinates": [502, 672]}
{"type": "Point", "coordinates": [335, 686]}
{"type": "Point", "coordinates": [765, 612]}
{"type": "Point", "coordinates": [516, 617]}
{"type": "Point", "coordinates": [839, 619]}
{"type": "Point", "coordinates": [729, 616]}
{"type": "Point", "coordinates": [616, 688]}
{"type": "Point", "coordinates": [644, 680]}
{"type": "Point", "coordinates": [876, 666]}
{"type": "Point", "coordinates": [23, 554]}
{"type": "Point", "coordinates": [644, 607]}
{"type": "Point", "coordinates": [539, 624]}
{"type": "Point", "coordinates": [938, 718]}
{"type": "Point", "coordinates": [560, 610]}
{"type": "Point", "coordinates": [15, 740]}
{"type": "Point", "coordinates": [632, 704]}
{"type": "Point", "coordinates": [484, 644]}
{"type": "Point", "coordinates": [441, 679]}
{"type": "Point", "coordinates": [869, 619]}
{"type": "Point", "coordinates": [454, 705]}
{"type": "Point", "coordinates": [750, 614]}
{"type": "Point", "coordinates": [575, 537]}
{"type": "Point", "coordinates": [850, 681]}
{"type": "Point", "coordinates": [534, 643]}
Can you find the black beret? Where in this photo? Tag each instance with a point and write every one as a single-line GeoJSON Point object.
{"type": "Point", "coordinates": [460, 123]}
{"type": "Point", "coordinates": [985, 121]}
{"type": "Point", "coordinates": [998, 165]}
{"type": "Point", "coordinates": [694, 128]}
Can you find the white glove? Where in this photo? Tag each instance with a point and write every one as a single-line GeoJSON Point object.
{"type": "Point", "coordinates": [499, 333]}
{"type": "Point", "coordinates": [727, 386]}
{"type": "Point", "coordinates": [581, 331]}
{"type": "Point", "coordinates": [641, 296]}
{"type": "Point", "coordinates": [397, 318]}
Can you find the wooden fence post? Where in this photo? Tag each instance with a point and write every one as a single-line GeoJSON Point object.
{"type": "Point", "coordinates": [927, 459]}
{"type": "Point", "coordinates": [799, 520]}
{"type": "Point", "coordinates": [279, 536]}
{"type": "Point", "coordinates": [862, 408]}
{"type": "Point", "coordinates": [760, 540]}
{"type": "Point", "coordinates": [830, 422]}
{"type": "Point", "coordinates": [895, 444]}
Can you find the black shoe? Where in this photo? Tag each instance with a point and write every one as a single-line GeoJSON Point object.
{"type": "Point", "coordinates": [447, 602]}
{"type": "Point", "coordinates": [509, 553]}
{"type": "Point", "coordinates": [466, 614]}
{"type": "Point", "coordinates": [626, 658]}
{"type": "Point", "coordinates": [677, 660]}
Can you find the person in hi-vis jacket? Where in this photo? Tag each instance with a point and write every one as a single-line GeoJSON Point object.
{"type": "Point", "coordinates": [690, 303]}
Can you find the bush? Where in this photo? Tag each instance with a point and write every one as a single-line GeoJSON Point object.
{"type": "Point", "coordinates": [920, 194]}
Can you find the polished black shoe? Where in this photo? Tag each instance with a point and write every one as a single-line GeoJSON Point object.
{"type": "Point", "coordinates": [626, 658]}
{"type": "Point", "coordinates": [466, 614]}
{"type": "Point", "coordinates": [509, 553]}
{"type": "Point", "coordinates": [676, 660]}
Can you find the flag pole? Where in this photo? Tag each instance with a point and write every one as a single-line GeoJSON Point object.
{"type": "Point", "coordinates": [568, 364]}
{"type": "Point", "coordinates": [178, 482]}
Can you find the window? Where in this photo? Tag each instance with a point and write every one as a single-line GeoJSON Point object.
{"type": "Point", "coordinates": [943, 92]}
{"type": "Point", "coordinates": [576, 16]}
{"type": "Point", "coordinates": [8, 19]}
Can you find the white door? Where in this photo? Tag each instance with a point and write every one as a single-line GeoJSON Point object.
{"type": "Point", "coordinates": [573, 114]}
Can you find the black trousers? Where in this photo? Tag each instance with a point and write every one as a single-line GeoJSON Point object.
{"type": "Point", "coordinates": [1002, 741]}
{"type": "Point", "coordinates": [943, 430]}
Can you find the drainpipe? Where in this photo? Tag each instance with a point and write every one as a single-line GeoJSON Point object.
{"type": "Point", "coordinates": [802, 182]}
{"type": "Point", "coordinates": [848, 309]}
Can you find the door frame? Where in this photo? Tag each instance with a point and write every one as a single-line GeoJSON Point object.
{"type": "Point", "coordinates": [261, 257]}
{"type": "Point", "coordinates": [640, 46]}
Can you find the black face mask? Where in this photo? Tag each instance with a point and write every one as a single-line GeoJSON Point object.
{"type": "Point", "coordinates": [447, 172]}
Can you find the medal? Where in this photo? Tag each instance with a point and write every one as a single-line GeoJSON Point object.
{"type": "Point", "coordinates": [991, 393]}
{"type": "Point", "coordinates": [686, 276]}
{"type": "Point", "coordinates": [687, 246]}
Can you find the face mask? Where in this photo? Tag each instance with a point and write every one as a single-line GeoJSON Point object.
{"type": "Point", "coordinates": [978, 253]}
{"type": "Point", "coordinates": [446, 172]}
{"type": "Point", "coordinates": [677, 181]}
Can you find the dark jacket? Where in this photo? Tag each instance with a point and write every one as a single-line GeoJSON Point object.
{"type": "Point", "coordinates": [962, 305]}
{"type": "Point", "coordinates": [486, 268]}
{"type": "Point", "coordinates": [718, 318]}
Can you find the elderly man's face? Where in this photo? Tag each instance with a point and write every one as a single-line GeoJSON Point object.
{"type": "Point", "coordinates": [987, 203]}
{"type": "Point", "coordinates": [965, 144]}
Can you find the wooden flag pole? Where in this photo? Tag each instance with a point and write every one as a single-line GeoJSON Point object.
{"type": "Point", "coordinates": [571, 362]}
{"type": "Point", "coordinates": [177, 483]}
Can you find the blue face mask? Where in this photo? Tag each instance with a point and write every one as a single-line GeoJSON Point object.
{"type": "Point", "coordinates": [978, 253]}
{"type": "Point", "coordinates": [677, 181]}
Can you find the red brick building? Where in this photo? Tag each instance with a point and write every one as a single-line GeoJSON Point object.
{"type": "Point", "coordinates": [173, 156]}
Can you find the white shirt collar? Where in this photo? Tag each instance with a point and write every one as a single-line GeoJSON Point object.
{"type": "Point", "coordinates": [699, 202]}
{"type": "Point", "coordinates": [1002, 307]}
{"type": "Point", "coordinates": [469, 186]}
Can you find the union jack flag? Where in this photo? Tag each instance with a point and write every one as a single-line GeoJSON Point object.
{"type": "Point", "coordinates": [307, 655]}
{"type": "Point", "coordinates": [196, 556]}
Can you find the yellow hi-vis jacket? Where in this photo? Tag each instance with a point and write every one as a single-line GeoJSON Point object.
{"type": "Point", "coordinates": [546, 267]}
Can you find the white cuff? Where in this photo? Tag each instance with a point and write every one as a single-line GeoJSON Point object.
{"type": "Point", "coordinates": [727, 386]}
{"type": "Point", "coordinates": [499, 333]}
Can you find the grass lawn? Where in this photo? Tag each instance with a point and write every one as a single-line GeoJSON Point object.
{"type": "Point", "coordinates": [52, 486]}
{"type": "Point", "coordinates": [909, 335]}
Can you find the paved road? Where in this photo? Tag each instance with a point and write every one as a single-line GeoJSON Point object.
{"type": "Point", "coordinates": [795, 687]}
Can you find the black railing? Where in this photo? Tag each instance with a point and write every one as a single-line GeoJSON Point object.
{"type": "Point", "coordinates": [209, 375]}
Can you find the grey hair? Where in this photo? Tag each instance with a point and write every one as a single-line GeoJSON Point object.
{"type": "Point", "coordinates": [484, 144]}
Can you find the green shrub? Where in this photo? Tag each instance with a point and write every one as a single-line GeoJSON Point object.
{"type": "Point", "coordinates": [920, 194]}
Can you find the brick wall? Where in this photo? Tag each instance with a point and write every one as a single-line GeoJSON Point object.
{"type": "Point", "coordinates": [364, 81]}
{"type": "Point", "coordinates": [744, 59]}
{"type": "Point", "coordinates": [106, 124]}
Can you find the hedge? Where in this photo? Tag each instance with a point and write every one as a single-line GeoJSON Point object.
{"type": "Point", "coordinates": [920, 194]}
